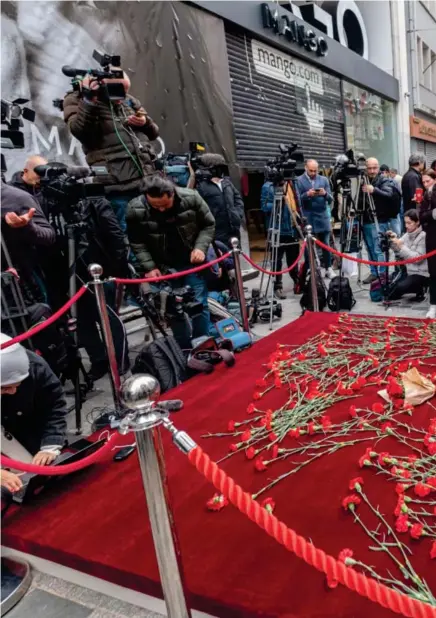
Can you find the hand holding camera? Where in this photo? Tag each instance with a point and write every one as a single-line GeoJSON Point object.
{"type": "Point", "coordinates": [139, 119]}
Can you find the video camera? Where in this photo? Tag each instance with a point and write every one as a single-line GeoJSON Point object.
{"type": "Point", "coordinates": [347, 166]}
{"type": "Point", "coordinates": [12, 114]}
{"type": "Point", "coordinates": [62, 187]}
{"type": "Point", "coordinates": [286, 166]}
{"type": "Point", "coordinates": [176, 166]}
{"type": "Point", "coordinates": [114, 91]}
{"type": "Point", "coordinates": [176, 302]}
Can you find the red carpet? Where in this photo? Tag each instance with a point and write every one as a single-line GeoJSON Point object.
{"type": "Point", "coordinates": [96, 522]}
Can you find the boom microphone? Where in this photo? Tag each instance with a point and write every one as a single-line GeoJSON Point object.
{"type": "Point", "coordinates": [72, 72]}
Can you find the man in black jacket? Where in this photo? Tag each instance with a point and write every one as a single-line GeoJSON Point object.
{"type": "Point", "coordinates": [25, 230]}
{"type": "Point", "coordinates": [387, 202]}
{"type": "Point", "coordinates": [33, 405]}
{"type": "Point", "coordinates": [29, 181]}
{"type": "Point", "coordinates": [412, 180]}
{"type": "Point", "coordinates": [223, 199]}
{"type": "Point", "coordinates": [172, 228]}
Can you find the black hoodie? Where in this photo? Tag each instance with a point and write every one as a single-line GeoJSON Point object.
{"type": "Point", "coordinates": [34, 190]}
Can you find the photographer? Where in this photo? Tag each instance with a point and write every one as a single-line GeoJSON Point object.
{"type": "Point", "coordinates": [427, 216]}
{"type": "Point", "coordinates": [28, 180]}
{"type": "Point", "coordinates": [113, 134]}
{"type": "Point", "coordinates": [315, 196]}
{"type": "Point", "coordinates": [412, 180]}
{"type": "Point", "coordinates": [289, 245]}
{"type": "Point", "coordinates": [387, 203]}
{"type": "Point", "coordinates": [25, 229]}
{"type": "Point", "coordinates": [33, 406]}
{"type": "Point", "coordinates": [411, 245]}
{"type": "Point", "coordinates": [222, 197]}
{"type": "Point", "coordinates": [172, 228]}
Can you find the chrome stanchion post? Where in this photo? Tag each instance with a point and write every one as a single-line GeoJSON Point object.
{"type": "Point", "coordinates": [312, 263]}
{"type": "Point", "coordinates": [95, 270]}
{"type": "Point", "coordinates": [139, 394]}
{"type": "Point", "coordinates": [240, 283]}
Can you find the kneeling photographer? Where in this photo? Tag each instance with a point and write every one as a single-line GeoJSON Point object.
{"type": "Point", "coordinates": [411, 245]}
{"type": "Point", "coordinates": [170, 229]}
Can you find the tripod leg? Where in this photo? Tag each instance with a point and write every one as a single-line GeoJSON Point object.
{"type": "Point", "coordinates": [78, 403]}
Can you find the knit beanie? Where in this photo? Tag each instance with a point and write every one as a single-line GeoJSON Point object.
{"type": "Point", "coordinates": [14, 363]}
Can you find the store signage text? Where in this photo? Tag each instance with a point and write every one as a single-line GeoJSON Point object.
{"type": "Point", "coordinates": [293, 32]}
{"type": "Point", "coordinates": [421, 129]}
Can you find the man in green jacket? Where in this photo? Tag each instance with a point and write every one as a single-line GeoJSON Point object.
{"type": "Point", "coordinates": [172, 228]}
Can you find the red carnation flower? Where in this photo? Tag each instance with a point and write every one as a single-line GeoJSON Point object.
{"type": "Point", "coordinates": [259, 465]}
{"type": "Point", "coordinates": [431, 481]}
{"type": "Point", "coordinates": [311, 428]}
{"type": "Point", "coordinates": [353, 411]}
{"type": "Point", "coordinates": [398, 404]}
{"type": "Point", "coordinates": [433, 550]}
{"type": "Point", "coordinates": [399, 508]}
{"type": "Point", "coordinates": [301, 357]}
{"type": "Point", "coordinates": [321, 350]}
{"type": "Point", "coordinates": [275, 451]}
{"type": "Point", "coordinates": [278, 382]}
{"type": "Point", "coordinates": [377, 408]}
{"type": "Point", "coordinates": [251, 408]}
{"type": "Point", "coordinates": [257, 395]}
{"type": "Point", "coordinates": [365, 460]}
{"type": "Point", "coordinates": [361, 382]}
{"type": "Point", "coordinates": [421, 490]}
{"type": "Point", "coordinates": [331, 371]}
{"type": "Point", "coordinates": [233, 448]}
{"type": "Point", "coordinates": [400, 488]}
{"type": "Point", "coordinates": [250, 453]}
{"type": "Point", "coordinates": [217, 502]}
{"type": "Point", "coordinates": [416, 531]}
{"type": "Point", "coordinates": [385, 427]}
{"type": "Point", "coordinates": [350, 502]}
{"type": "Point", "coordinates": [272, 437]}
{"type": "Point", "coordinates": [401, 523]}
{"type": "Point", "coordinates": [374, 340]}
{"type": "Point", "coordinates": [246, 435]}
{"type": "Point", "coordinates": [382, 458]}
{"type": "Point", "coordinates": [357, 481]}
{"type": "Point", "coordinates": [345, 554]}
{"type": "Point", "coordinates": [294, 433]}
{"type": "Point", "coordinates": [326, 422]}
{"type": "Point", "coordinates": [231, 426]}
{"type": "Point", "coordinates": [268, 504]}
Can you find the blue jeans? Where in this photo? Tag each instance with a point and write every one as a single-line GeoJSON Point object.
{"type": "Point", "coordinates": [185, 329]}
{"type": "Point", "coordinates": [372, 241]}
{"type": "Point", "coordinates": [119, 206]}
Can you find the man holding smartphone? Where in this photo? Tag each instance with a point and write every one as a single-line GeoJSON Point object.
{"type": "Point", "coordinates": [315, 197]}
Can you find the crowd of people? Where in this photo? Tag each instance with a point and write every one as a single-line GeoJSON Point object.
{"type": "Point", "coordinates": [143, 225]}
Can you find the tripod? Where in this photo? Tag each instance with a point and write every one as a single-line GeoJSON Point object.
{"type": "Point", "coordinates": [273, 243]}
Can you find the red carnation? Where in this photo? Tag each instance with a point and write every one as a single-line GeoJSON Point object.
{"type": "Point", "coordinates": [268, 504]}
{"type": "Point", "coordinates": [400, 488]}
{"type": "Point", "coordinates": [301, 357]}
{"type": "Point", "coordinates": [321, 350]}
{"type": "Point", "coordinates": [361, 382]}
{"type": "Point", "coordinates": [433, 550]}
{"type": "Point", "coordinates": [382, 458]}
{"type": "Point", "coordinates": [275, 451]}
{"type": "Point", "coordinates": [357, 481]}
{"type": "Point", "coordinates": [350, 502]}
{"type": "Point", "coordinates": [377, 407]}
{"type": "Point", "coordinates": [416, 531]}
{"type": "Point", "coordinates": [326, 422]}
{"type": "Point", "coordinates": [233, 448]}
{"type": "Point", "coordinates": [345, 555]}
{"type": "Point", "coordinates": [353, 411]}
{"type": "Point", "coordinates": [250, 453]}
{"type": "Point", "coordinates": [294, 433]}
{"type": "Point", "coordinates": [398, 404]}
{"type": "Point", "coordinates": [386, 427]}
{"type": "Point", "coordinates": [421, 490]}
{"type": "Point", "coordinates": [231, 426]}
{"type": "Point", "coordinates": [251, 408]}
{"type": "Point", "coordinates": [259, 465]}
{"type": "Point", "coordinates": [401, 523]}
{"type": "Point", "coordinates": [311, 428]}
{"type": "Point", "coordinates": [257, 395]}
{"type": "Point", "coordinates": [246, 435]}
{"type": "Point", "coordinates": [331, 371]}
{"type": "Point", "coordinates": [365, 460]}
{"type": "Point", "coordinates": [278, 382]}
{"type": "Point", "coordinates": [399, 508]}
{"type": "Point", "coordinates": [431, 481]}
{"type": "Point", "coordinates": [217, 502]}
{"type": "Point", "coordinates": [272, 437]}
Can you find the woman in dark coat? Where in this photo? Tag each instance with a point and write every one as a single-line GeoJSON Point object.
{"type": "Point", "coordinates": [427, 215]}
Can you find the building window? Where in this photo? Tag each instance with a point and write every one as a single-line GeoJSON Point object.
{"type": "Point", "coordinates": [371, 124]}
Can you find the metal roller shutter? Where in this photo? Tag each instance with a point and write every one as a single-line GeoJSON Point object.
{"type": "Point", "coordinates": [280, 99]}
{"type": "Point", "coordinates": [430, 152]}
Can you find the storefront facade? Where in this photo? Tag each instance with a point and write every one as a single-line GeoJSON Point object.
{"type": "Point", "coordinates": [292, 82]}
{"type": "Point", "coordinates": [423, 137]}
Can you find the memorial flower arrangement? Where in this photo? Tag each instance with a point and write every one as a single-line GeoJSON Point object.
{"type": "Point", "coordinates": [336, 366]}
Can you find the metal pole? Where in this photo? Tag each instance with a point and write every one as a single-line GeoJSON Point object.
{"type": "Point", "coordinates": [95, 270]}
{"type": "Point", "coordinates": [138, 394]}
{"type": "Point", "coordinates": [312, 264]}
{"type": "Point", "coordinates": [240, 284]}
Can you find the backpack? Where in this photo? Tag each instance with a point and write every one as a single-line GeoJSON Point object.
{"type": "Point", "coordinates": [376, 289]}
{"type": "Point", "coordinates": [164, 360]}
{"type": "Point", "coordinates": [306, 300]}
{"type": "Point", "coordinates": [340, 296]}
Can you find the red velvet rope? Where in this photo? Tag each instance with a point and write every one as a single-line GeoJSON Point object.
{"type": "Point", "coordinates": [183, 273]}
{"type": "Point", "coordinates": [280, 272]}
{"type": "Point", "coordinates": [5, 462]}
{"type": "Point", "coordinates": [367, 587]}
{"type": "Point", "coordinates": [46, 323]}
{"type": "Point", "coordinates": [346, 256]}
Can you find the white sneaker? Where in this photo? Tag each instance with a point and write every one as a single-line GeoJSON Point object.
{"type": "Point", "coordinates": [431, 313]}
{"type": "Point", "coordinates": [329, 274]}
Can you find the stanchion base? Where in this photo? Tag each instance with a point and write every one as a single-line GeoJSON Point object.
{"type": "Point", "coordinates": [16, 578]}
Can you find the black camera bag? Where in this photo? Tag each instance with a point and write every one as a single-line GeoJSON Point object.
{"type": "Point", "coordinates": [164, 360]}
{"type": "Point", "coordinates": [306, 301]}
{"type": "Point", "coordinates": [340, 296]}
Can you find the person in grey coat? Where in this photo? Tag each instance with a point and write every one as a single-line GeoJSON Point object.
{"type": "Point", "coordinates": [315, 196]}
{"type": "Point", "coordinates": [411, 245]}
